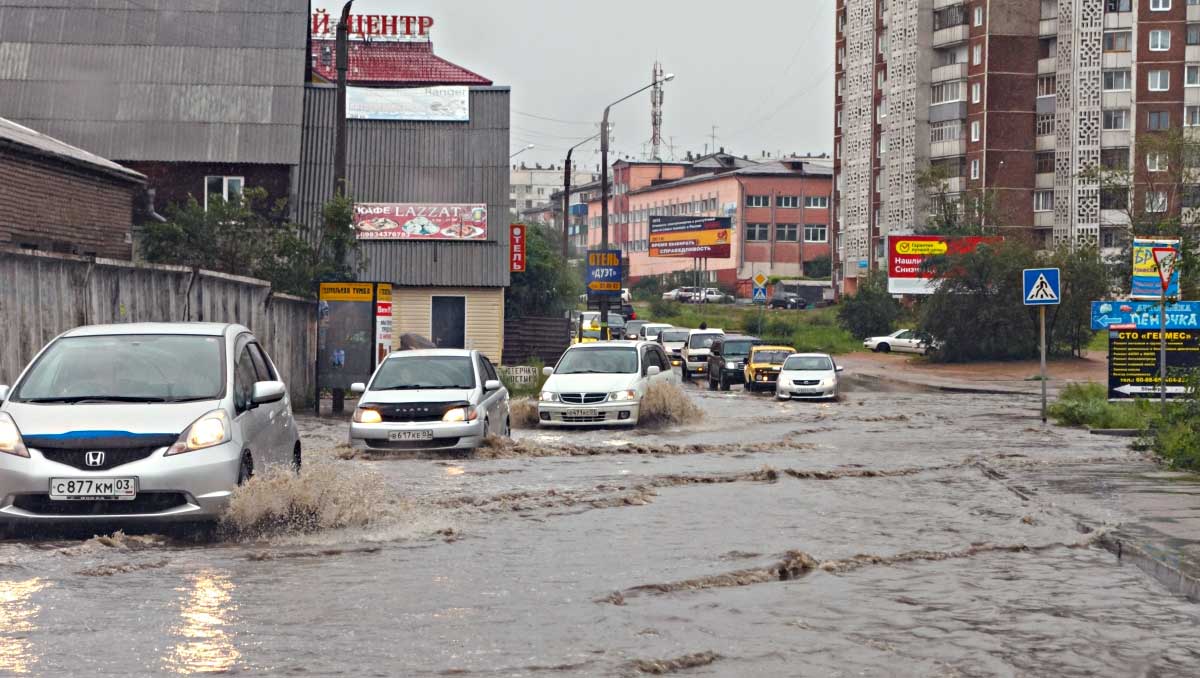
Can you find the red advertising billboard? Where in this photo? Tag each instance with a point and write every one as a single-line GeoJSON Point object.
{"type": "Point", "coordinates": [691, 237]}
{"type": "Point", "coordinates": [516, 248]}
{"type": "Point", "coordinates": [907, 255]}
{"type": "Point", "coordinates": [419, 221]}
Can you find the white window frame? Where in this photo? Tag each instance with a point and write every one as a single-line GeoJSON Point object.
{"type": "Point", "coordinates": [976, 92]}
{"type": "Point", "coordinates": [241, 181]}
{"type": "Point", "coordinates": [979, 16]}
{"type": "Point", "coordinates": [1191, 75]}
{"type": "Point", "coordinates": [787, 201]}
{"type": "Point", "coordinates": [816, 202]}
{"type": "Point", "coordinates": [975, 169]}
{"type": "Point", "coordinates": [824, 231]}
{"type": "Point", "coordinates": [975, 130]}
{"type": "Point", "coordinates": [1160, 40]}
{"type": "Point", "coordinates": [1156, 201]}
{"type": "Point", "coordinates": [1160, 5]}
{"type": "Point", "coordinates": [1128, 80]}
{"type": "Point", "coordinates": [758, 201]}
{"type": "Point", "coordinates": [1158, 80]}
{"type": "Point", "coordinates": [1156, 162]}
{"type": "Point", "coordinates": [977, 55]}
{"type": "Point", "coordinates": [1043, 201]}
{"type": "Point", "coordinates": [1191, 116]}
{"type": "Point", "coordinates": [1124, 118]}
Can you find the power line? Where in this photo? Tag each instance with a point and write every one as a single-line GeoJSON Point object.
{"type": "Point", "coordinates": [558, 120]}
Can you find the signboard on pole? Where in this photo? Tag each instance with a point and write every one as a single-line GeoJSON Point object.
{"type": "Point", "coordinates": [604, 274]}
{"type": "Point", "coordinates": [1147, 283]}
{"type": "Point", "coordinates": [1182, 315]}
{"type": "Point", "coordinates": [383, 322]}
{"type": "Point", "coordinates": [907, 255]}
{"type": "Point", "coordinates": [420, 221]}
{"type": "Point", "coordinates": [760, 288]}
{"type": "Point", "coordinates": [691, 237]}
{"type": "Point", "coordinates": [1133, 362]}
{"type": "Point", "coordinates": [1042, 287]}
{"type": "Point", "coordinates": [346, 324]}
{"type": "Point", "coordinates": [516, 248]}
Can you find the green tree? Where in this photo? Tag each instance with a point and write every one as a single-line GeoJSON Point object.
{"type": "Point", "coordinates": [820, 268]}
{"type": "Point", "coordinates": [953, 213]}
{"type": "Point", "coordinates": [872, 311]}
{"type": "Point", "coordinates": [549, 286]}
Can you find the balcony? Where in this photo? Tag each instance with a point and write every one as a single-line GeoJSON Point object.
{"type": "Point", "coordinates": [1046, 105]}
{"type": "Point", "coordinates": [1114, 138]}
{"type": "Point", "coordinates": [1047, 66]}
{"type": "Point", "coordinates": [951, 36]}
{"type": "Point", "coordinates": [1046, 142]}
{"type": "Point", "coordinates": [945, 149]}
{"type": "Point", "coordinates": [950, 72]}
{"type": "Point", "coordinates": [1116, 59]}
{"type": "Point", "coordinates": [1193, 13]}
{"type": "Point", "coordinates": [1192, 54]}
{"type": "Point", "coordinates": [951, 110]}
{"type": "Point", "coordinates": [942, 4]}
{"type": "Point", "coordinates": [1048, 28]}
{"type": "Point", "coordinates": [1043, 219]}
{"type": "Point", "coordinates": [1043, 180]}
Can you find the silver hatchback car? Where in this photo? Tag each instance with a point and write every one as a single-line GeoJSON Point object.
{"type": "Point", "coordinates": [151, 421]}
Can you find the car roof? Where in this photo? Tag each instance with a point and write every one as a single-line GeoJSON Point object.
{"type": "Point", "coordinates": [648, 324]}
{"type": "Point", "coordinates": [811, 355]}
{"type": "Point", "coordinates": [621, 343]}
{"type": "Point", "coordinates": [741, 337]}
{"type": "Point", "coordinates": [708, 331]}
{"type": "Point", "coordinates": [182, 328]}
{"type": "Point", "coordinates": [770, 347]}
{"type": "Point", "coordinates": [434, 353]}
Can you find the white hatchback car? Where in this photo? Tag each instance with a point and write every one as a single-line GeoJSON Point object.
{"type": "Point", "coordinates": [602, 383]}
{"type": "Point", "coordinates": [435, 399]}
{"type": "Point", "coordinates": [808, 375]}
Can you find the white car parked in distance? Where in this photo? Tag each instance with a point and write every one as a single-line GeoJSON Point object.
{"type": "Point", "coordinates": [602, 383]}
{"type": "Point", "coordinates": [901, 341]}
{"type": "Point", "coordinates": [808, 375]}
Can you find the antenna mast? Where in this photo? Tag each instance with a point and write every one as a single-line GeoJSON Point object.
{"type": "Point", "coordinates": [656, 102]}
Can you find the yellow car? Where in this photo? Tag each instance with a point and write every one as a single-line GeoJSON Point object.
{"type": "Point", "coordinates": [591, 334]}
{"type": "Point", "coordinates": [762, 367]}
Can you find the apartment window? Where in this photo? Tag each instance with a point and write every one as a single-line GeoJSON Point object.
{"type": "Point", "coordinates": [758, 201]}
{"type": "Point", "coordinates": [975, 130]}
{"type": "Point", "coordinates": [1043, 201]}
{"type": "Point", "coordinates": [974, 169]}
{"type": "Point", "coordinates": [1046, 85]}
{"type": "Point", "coordinates": [945, 92]}
{"type": "Point", "coordinates": [228, 188]}
{"type": "Point", "coordinates": [1160, 5]}
{"type": "Point", "coordinates": [1117, 41]}
{"type": "Point", "coordinates": [786, 232]}
{"type": "Point", "coordinates": [1158, 120]}
{"type": "Point", "coordinates": [1160, 40]}
{"type": "Point", "coordinates": [976, 92]}
{"type": "Point", "coordinates": [1159, 81]}
{"type": "Point", "coordinates": [1114, 198]}
{"type": "Point", "coordinates": [816, 201]}
{"type": "Point", "coordinates": [977, 55]}
{"type": "Point", "coordinates": [1191, 76]}
{"type": "Point", "coordinates": [1116, 118]}
{"type": "Point", "coordinates": [1156, 162]}
{"type": "Point", "coordinates": [1108, 237]}
{"type": "Point", "coordinates": [1117, 5]}
{"type": "Point", "coordinates": [1045, 124]}
{"type": "Point", "coordinates": [950, 130]}
{"type": "Point", "coordinates": [1191, 116]}
{"type": "Point", "coordinates": [1044, 162]}
{"type": "Point", "coordinates": [789, 201]}
{"type": "Point", "coordinates": [816, 233]}
{"type": "Point", "coordinates": [1190, 196]}
{"type": "Point", "coordinates": [978, 16]}
{"type": "Point", "coordinates": [1156, 201]}
{"type": "Point", "coordinates": [758, 232]}
{"type": "Point", "coordinates": [1117, 80]}
{"type": "Point", "coordinates": [949, 17]}
{"type": "Point", "coordinates": [839, 119]}
{"type": "Point", "coordinates": [1114, 158]}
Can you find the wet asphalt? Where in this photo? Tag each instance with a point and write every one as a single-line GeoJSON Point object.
{"type": "Point", "coordinates": [891, 533]}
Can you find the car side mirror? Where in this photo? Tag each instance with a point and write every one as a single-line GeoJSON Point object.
{"type": "Point", "coordinates": [492, 385]}
{"type": "Point", "coordinates": [358, 387]}
{"type": "Point", "coordinates": [3, 393]}
{"type": "Point", "coordinates": [840, 368]}
{"type": "Point", "coordinates": [267, 392]}
{"type": "Point", "coordinates": [547, 371]}
{"type": "Point", "coordinates": [653, 371]}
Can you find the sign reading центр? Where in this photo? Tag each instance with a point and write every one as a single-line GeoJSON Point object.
{"type": "Point", "coordinates": [419, 221]}
{"type": "Point", "coordinates": [907, 255]}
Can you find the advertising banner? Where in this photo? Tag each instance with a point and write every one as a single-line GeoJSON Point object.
{"type": "Point", "coordinates": [691, 237]}
{"type": "Point", "coordinates": [345, 327]}
{"type": "Point", "coordinates": [907, 255]}
{"type": "Point", "coordinates": [1133, 368]}
{"type": "Point", "coordinates": [425, 104]}
{"type": "Point", "coordinates": [419, 221]}
{"type": "Point", "coordinates": [1183, 315]}
{"type": "Point", "coordinates": [604, 274]}
{"type": "Point", "coordinates": [516, 248]}
{"type": "Point", "coordinates": [1146, 282]}
{"type": "Point", "coordinates": [383, 322]}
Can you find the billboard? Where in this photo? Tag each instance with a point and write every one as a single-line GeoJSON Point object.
{"type": "Point", "coordinates": [604, 274]}
{"type": "Point", "coordinates": [425, 104]}
{"type": "Point", "coordinates": [1183, 315]}
{"type": "Point", "coordinates": [516, 248]}
{"type": "Point", "coordinates": [1133, 368]}
{"type": "Point", "coordinates": [419, 221]}
{"type": "Point", "coordinates": [383, 322]}
{"type": "Point", "coordinates": [691, 237]}
{"type": "Point", "coordinates": [1146, 283]}
{"type": "Point", "coordinates": [345, 325]}
{"type": "Point", "coordinates": [907, 255]}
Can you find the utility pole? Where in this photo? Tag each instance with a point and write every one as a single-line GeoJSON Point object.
{"type": "Point", "coordinates": [343, 64]}
{"type": "Point", "coordinates": [714, 138]}
{"type": "Point", "coordinates": [567, 192]}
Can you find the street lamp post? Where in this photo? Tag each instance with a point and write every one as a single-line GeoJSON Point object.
{"type": "Point", "coordinates": [529, 147]}
{"type": "Point", "coordinates": [566, 201]}
{"type": "Point", "coordinates": [604, 181]}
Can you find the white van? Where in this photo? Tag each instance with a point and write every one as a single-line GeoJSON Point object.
{"type": "Point", "coordinates": [696, 350]}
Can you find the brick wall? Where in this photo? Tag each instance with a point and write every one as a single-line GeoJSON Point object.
{"type": "Point", "coordinates": [61, 208]}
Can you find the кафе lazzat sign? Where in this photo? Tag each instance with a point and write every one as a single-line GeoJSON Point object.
{"type": "Point", "coordinates": [420, 221]}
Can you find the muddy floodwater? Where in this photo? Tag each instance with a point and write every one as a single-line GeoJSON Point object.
{"type": "Point", "coordinates": [883, 535]}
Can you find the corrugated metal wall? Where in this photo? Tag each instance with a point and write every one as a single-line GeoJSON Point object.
{"type": "Point", "coordinates": [43, 295]}
{"type": "Point", "coordinates": [168, 80]}
{"type": "Point", "coordinates": [407, 161]}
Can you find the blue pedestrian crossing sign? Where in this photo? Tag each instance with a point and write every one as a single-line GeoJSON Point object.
{"type": "Point", "coordinates": [1042, 287]}
{"type": "Point", "coordinates": [760, 295]}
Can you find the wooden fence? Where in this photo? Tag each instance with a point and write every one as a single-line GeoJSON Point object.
{"type": "Point", "coordinates": [541, 338]}
{"type": "Point", "coordinates": [43, 295]}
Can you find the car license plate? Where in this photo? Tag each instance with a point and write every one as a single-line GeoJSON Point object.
{"type": "Point", "coordinates": [410, 435]}
{"type": "Point", "coordinates": [808, 390]}
{"type": "Point", "coordinates": [582, 413]}
{"type": "Point", "coordinates": [81, 489]}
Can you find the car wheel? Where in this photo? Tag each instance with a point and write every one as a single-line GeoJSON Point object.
{"type": "Point", "coordinates": [246, 470]}
{"type": "Point", "coordinates": [883, 348]}
{"type": "Point", "coordinates": [296, 458]}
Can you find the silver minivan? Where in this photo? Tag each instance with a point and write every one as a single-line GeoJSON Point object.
{"type": "Point", "coordinates": [146, 421]}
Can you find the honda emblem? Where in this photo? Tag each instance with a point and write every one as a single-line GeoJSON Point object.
{"type": "Point", "coordinates": [94, 458]}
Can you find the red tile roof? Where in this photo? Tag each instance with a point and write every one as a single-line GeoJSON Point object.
{"type": "Point", "coordinates": [398, 64]}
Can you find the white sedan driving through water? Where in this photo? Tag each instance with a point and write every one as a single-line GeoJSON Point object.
{"type": "Point", "coordinates": [602, 383]}
{"type": "Point", "coordinates": [809, 376]}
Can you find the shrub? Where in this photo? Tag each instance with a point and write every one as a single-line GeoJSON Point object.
{"type": "Point", "coordinates": [1176, 436]}
{"type": "Point", "coordinates": [1087, 404]}
{"type": "Point", "coordinates": [871, 311]}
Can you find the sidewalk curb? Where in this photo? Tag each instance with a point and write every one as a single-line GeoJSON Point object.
{"type": "Point", "coordinates": [942, 388]}
{"type": "Point", "coordinates": [1115, 432]}
{"type": "Point", "coordinates": [1155, 565]}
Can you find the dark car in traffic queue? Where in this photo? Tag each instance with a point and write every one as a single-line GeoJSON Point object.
{"type": "Point", "coordinates": [727, 360]}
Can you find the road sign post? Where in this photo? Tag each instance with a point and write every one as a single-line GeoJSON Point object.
{"type": "Point", "coordinates": [1042, 288]}
{"type": "Point", "coordinates": [1164, 261]}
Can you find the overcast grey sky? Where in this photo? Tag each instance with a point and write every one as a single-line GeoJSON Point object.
{"type": "Point", "coordinates": [760, 70]}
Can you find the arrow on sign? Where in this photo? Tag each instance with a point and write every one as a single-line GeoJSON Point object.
{"type": "Point", "coordinates": [1130, 390]}
{"type": "Point", "coordinates": [1106, 320]}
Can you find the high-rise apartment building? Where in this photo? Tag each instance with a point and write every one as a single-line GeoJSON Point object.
{"type": "Point", "coordinates": [1016, 97]}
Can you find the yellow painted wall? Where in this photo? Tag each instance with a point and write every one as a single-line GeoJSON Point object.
{"type": "Point", "coordinates": [412, 309]}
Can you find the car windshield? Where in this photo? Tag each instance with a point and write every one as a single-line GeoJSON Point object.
{"type": "Point", "coordinates": [635, 325]}
{"type": "Point", "coordinates": [818, 363]}
{"type": "Point", "coordinates": [410, 373]}
{"type": "Point", "coordinates": [771, 357]}
{"type": "Point", "coordinates": [126, 368]}
{"type": "Point", "coordinates": [616, 360]}
{"type": "Point", "coordinates": [737, 349]}
{"type": "Point", "coordinates": [702, 340]}
{"type": "Point", "coordinates": [673, 335]}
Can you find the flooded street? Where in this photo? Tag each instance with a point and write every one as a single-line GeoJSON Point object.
{"type": "Point", "coordinates": [892, 533]}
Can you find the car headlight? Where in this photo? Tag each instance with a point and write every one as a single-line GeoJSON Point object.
{"type": "Point", "coordinates": [366, 415]}
{"type": "Point", "coordinates": [549, 397]}
{"type": "Point", "coordinates": [10, 437]}
{"type": "Point", "coordinates": [622, 396]}
{"type": "Point", "coordinates": [460, 414]}
{"type": "Point", "coordinates": [731, 365]}
{"type": "Point", "coordinates": [208, 431]}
